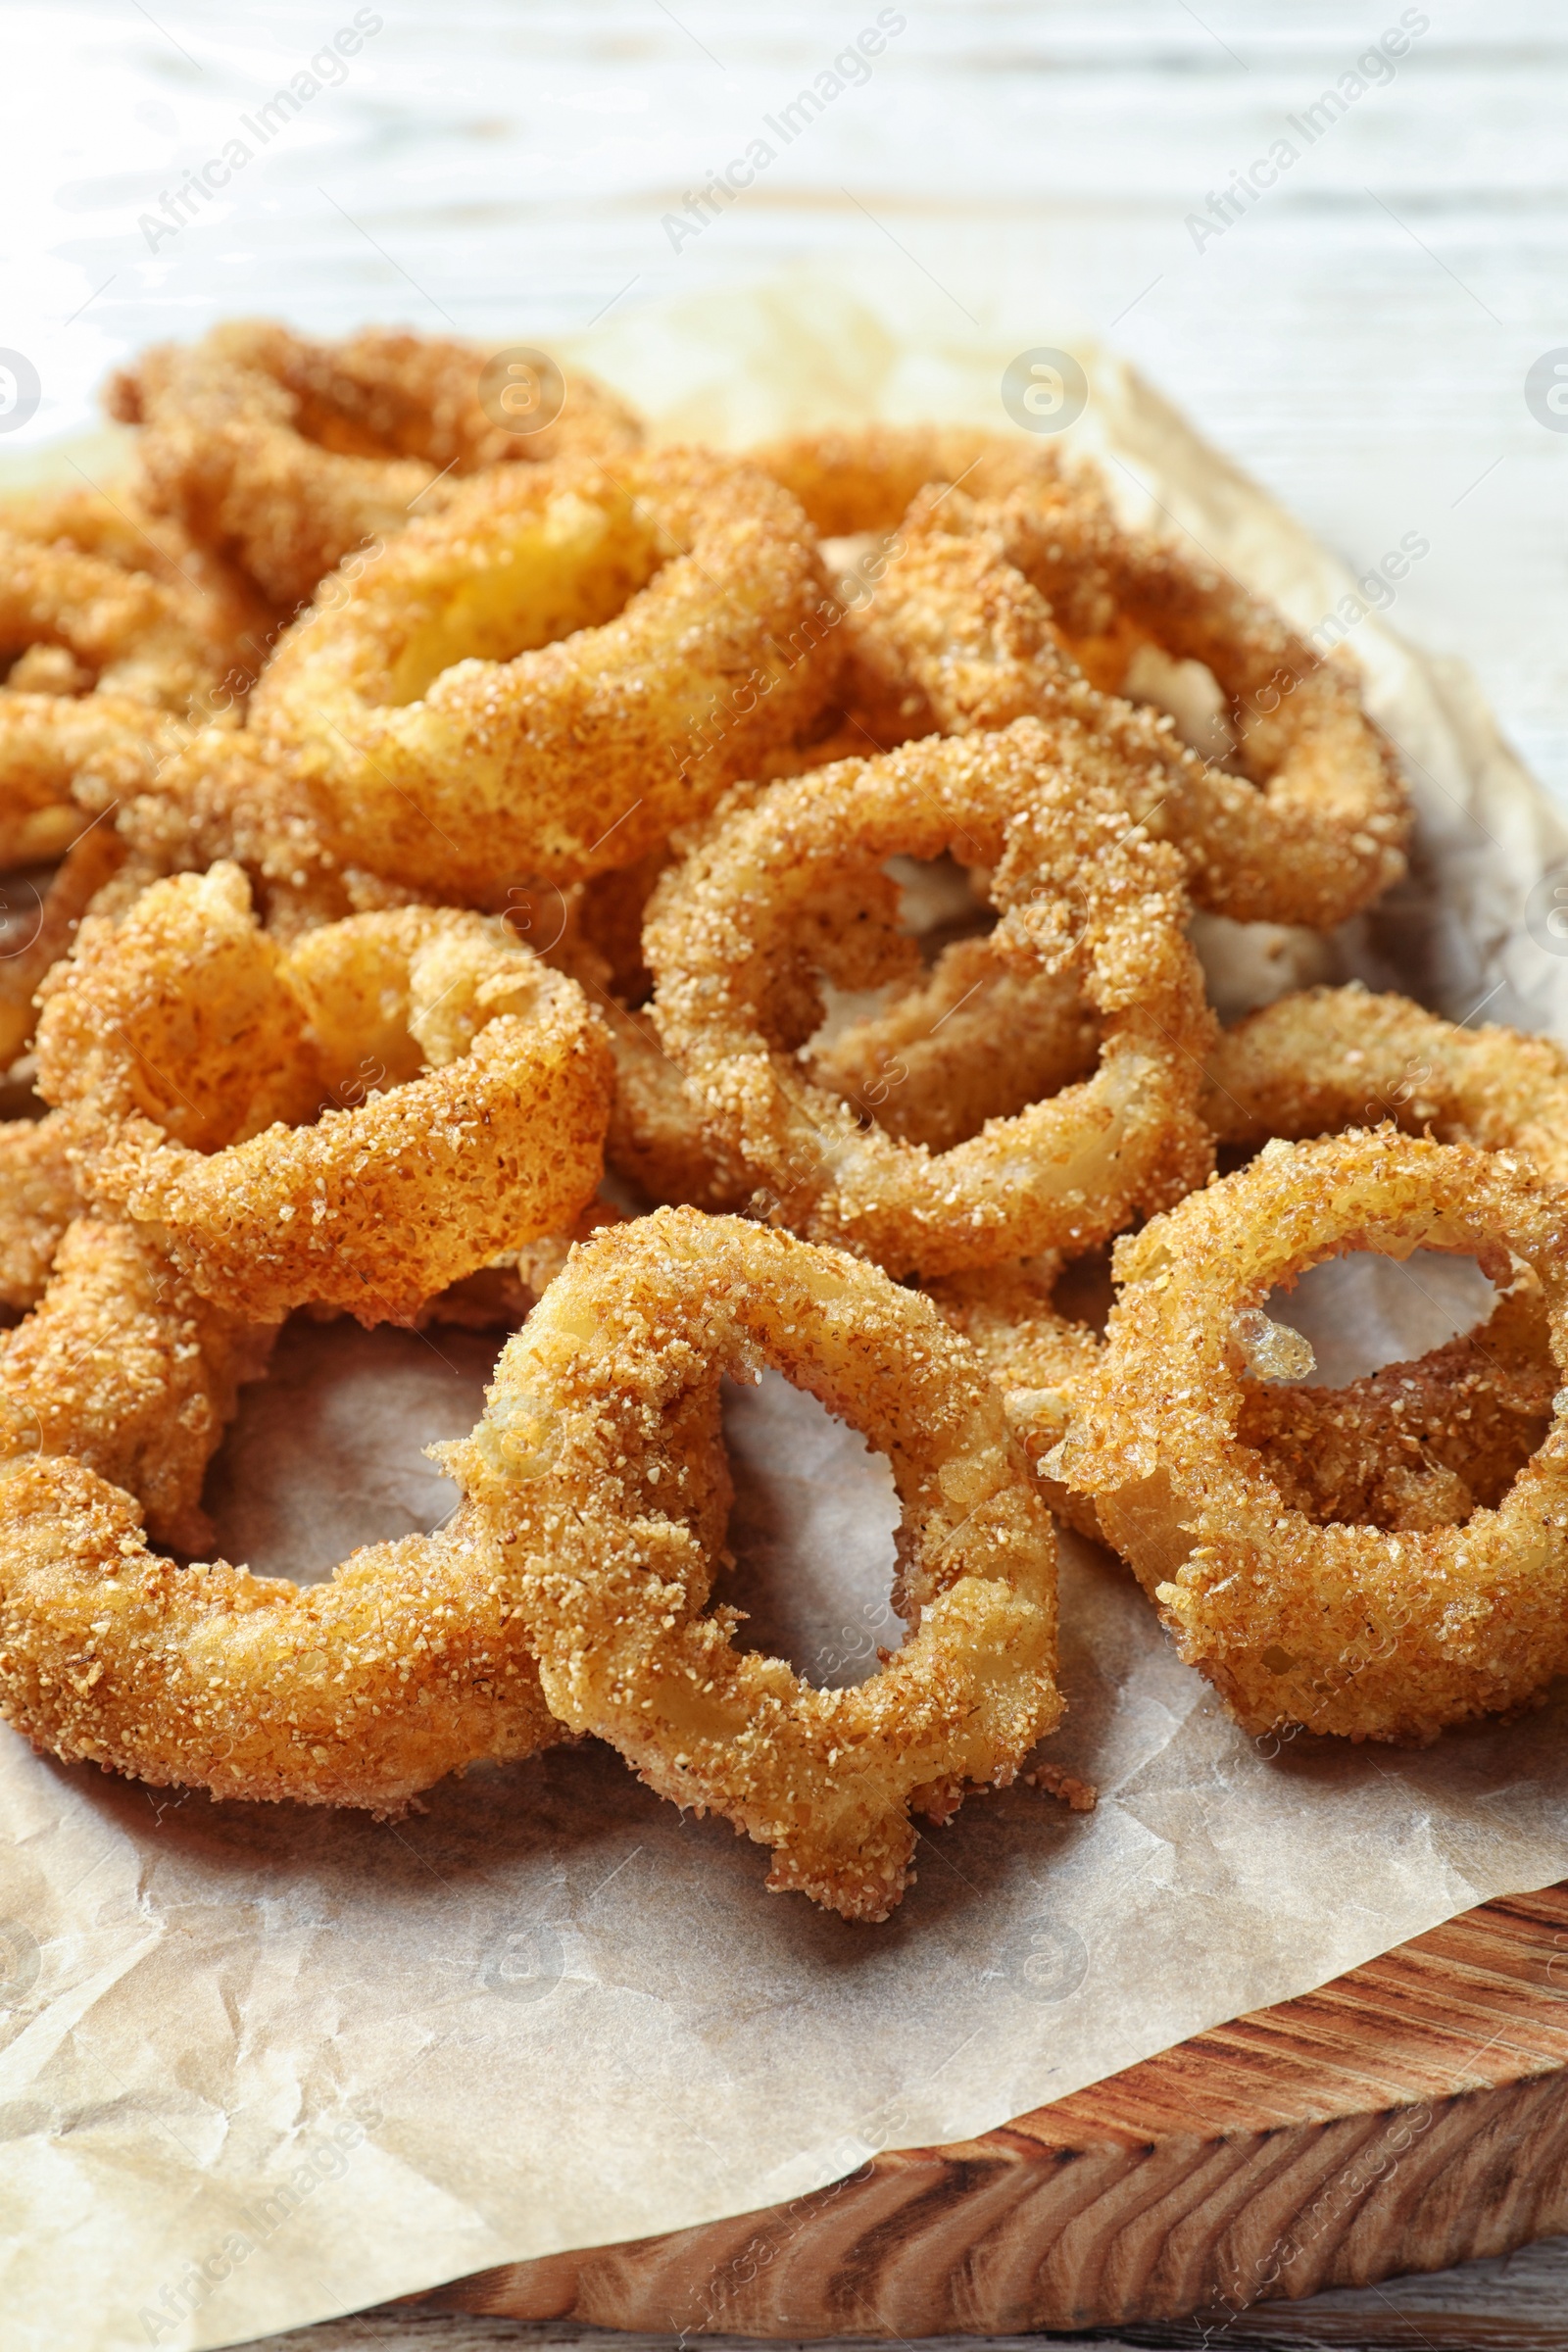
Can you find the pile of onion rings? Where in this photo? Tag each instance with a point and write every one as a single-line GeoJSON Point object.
{"type": "Point", "coordinates": [421, 810]}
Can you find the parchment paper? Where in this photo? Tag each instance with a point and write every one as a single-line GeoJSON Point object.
{"type": "Point", "coordinates": [260, 2066]}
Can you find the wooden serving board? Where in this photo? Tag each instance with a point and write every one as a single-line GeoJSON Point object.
{"type": "Point", "coordinates": [1408, 2116]}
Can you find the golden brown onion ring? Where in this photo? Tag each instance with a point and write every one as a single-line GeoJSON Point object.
{"type": "Point", "coordinates": [1356, 1630]}
{"type": "Point", "coordinates": [126, 1369]}
{"type": "Point", "coordinates": [577, 1486]}
{"type": "Point", "coordinates": [1414, 1444]}
{"type": "Point", "coordinates": [285, 455]}
{"type": "Point", "coordinates": [407, 1665]}
{"type": "Point", "coordinates": [1330, 1058]}
{"type": "Point", "coordinates": [548, 676]}
{"type": "Point", "coordinates": [1314, 828]}
{"type": "Point", "coordinates": [38, 1199]}
{"type": "Point", "coordinates": [1034, 1353]}
{"type": "Point", "coordinates": [42, 924]}
{"type": "Point", "coordinates": [233, 620]}
{"type": "Point", "coordinates": [790, 883]}
{"type": "Point", "coordinates": [105, 672]}
{"type": "Point", "coordinates": [461, 1089]}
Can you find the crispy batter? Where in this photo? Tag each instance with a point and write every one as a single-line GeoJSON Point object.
{"type": "Point", "coordinates": [1312, 829]}
{"type": "Point", "coordinates": [1358, 1630]}
{"type": "Point", "coordinates": [1415, 1444]}
{"type": "Point", "coordinates": [229, 796]}
{"type": "Point", "coordinates": [461, 1089]}
{"type": "Point", "coordinates": [1330, 1057]}
{"type": "Point", "coordinates": [104, 669]}
{"type": "Point", "coordinates": [574, 1479]}
{"type": "Point", "coordinates": [126, 1369]}
{"type": "Point", "coordinates": [502, 1297]}
{"type": "Point", "coordinates": [969, 1041]}
{"type": "Point", "coordinates": [790, 883]}
{"type": "Point", "coordinates": [407, 1665]}
{"type": "Point", "coordinates": [228, 613]}
{"type": "Point", "coordinates": [46, 923]}
{"type": "Point", "coordinates": [546, 677]}
{"type": "Point", "coordinates": [1035, 1354]}
{"type": "Point", "coordinates": [286, 454]}
{"type": "Point", "coordinates": [655, 1141]}
{"type": "Point", "coordinates": [39, 1199]}
{"type": "Point", "coordinates": [656, 1136]}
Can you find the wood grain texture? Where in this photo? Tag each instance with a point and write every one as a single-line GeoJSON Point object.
{"type": "Point", "coordinates": [1408, 2116]}
{"type": "Point", "coordinates": [1518, 2303]}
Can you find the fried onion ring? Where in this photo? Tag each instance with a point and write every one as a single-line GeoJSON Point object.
{"type": "Point", "coordinates": [1332, 1057]}
{"type": "Point", "coordinates": [285, 454]}
{"type": "Point", "coordinates": [234, 622]}
{"type": "Point", "coordinates": [38, 1199]}
{"type": "Point", "coordinates": [1035, 1354]}
{"type": "Point", "coordinates": [104, 671]}
{"type": "Point", "coordinates": [226, 795]}
{"type": "Point", "coordinates": [1356, 1630]}
{"type": "Point", "coordinates": [552, 673]}
{"type": "Point", "coordinates": [1314, 828]}
{"type": "Point", "coordinates": [1414, 1444]}
{"type": "Point", "coordinates": [463, 1090]}
{"type": "Point", "coordinates": [792, 882]}
{"type": "Point", "coordinates": [407, 1665]}
{"type": "Point", "coordinates": [126, 1369]}
{"type": "Point", "coordinates": [410, 1663]}
{"type": "Point", "coordinates": [47, 928]}
{"type": "Point", "coordinates": [573, 1475]}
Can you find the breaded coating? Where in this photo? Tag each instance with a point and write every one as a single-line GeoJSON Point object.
{"type": "Point", "coordinates": [788, 883]}
{"type": "Point", "coordinates": [126, 1369]}
{"type": "Point", "coordinates": [1364, 1629]}
{"type": "Point", "coordinates": [382, 1111]}
{"type": "Point", "coordinates": [969, 1041]}
{"type": "Point", "coordinates": [285, 455]}
{"type": "Point", "coordinates": [1330, 1057]}
{"type": "Point", "coordinates": [228, 613]}
{"type": "Point", "coordinates": [407, 1665]}
{"type": "Point", "coordinates": [39, 1199]}
{"type": "Point", "coordinates": [1012, 589]}
{"type": "Point", "coordinates": [48, 931]}
{"type": "Point", "coordinates": [1415, 1444]}
{"type": "Point", "coordinates": [1034, 1353]}
{"type": "Point", "coordinates": [103, 672]}
{"type": "Point", "coordinates": [576, 1473]}
{"type": "Point", "coordinates": [546, 677]}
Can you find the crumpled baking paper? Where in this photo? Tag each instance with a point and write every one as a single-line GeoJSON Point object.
{"type": "Point", "coordinates": [260, 2066]}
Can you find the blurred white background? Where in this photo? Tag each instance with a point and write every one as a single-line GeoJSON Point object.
{"type": "Point", "coordinates": [1359, 336]}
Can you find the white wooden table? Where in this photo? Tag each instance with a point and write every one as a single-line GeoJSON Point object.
{"type": "Point", "coordinates": [1359, 334]}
